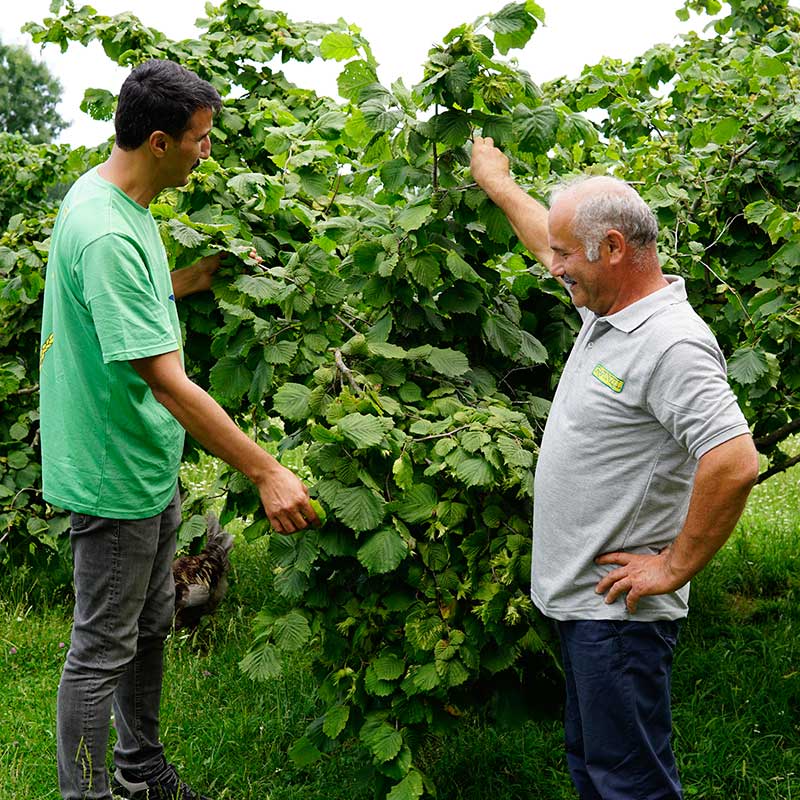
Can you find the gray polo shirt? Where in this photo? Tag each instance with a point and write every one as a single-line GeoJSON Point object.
{"type": "Point", "coordinates": [643, 396]}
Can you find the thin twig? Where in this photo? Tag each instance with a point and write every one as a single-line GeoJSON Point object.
{"type": "Point", "coordinates": [345, 323]}
{"type": "Point", "coordinates": [784, 465]}
{"type": "Point", "coordinates": [346, 371]}
{"type": "Point", "coordinates": [441, 435]}
{"type": "Point", "coordinates": [778, 435]}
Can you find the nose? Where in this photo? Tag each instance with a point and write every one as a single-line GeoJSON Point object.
{"type": "Point", "coordinates": [557, 265]}
{"type": "Point", "coordinates": [205, 148]}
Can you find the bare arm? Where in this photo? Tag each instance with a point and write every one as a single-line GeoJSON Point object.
{"type": "Point", "coordinates": [724, 478]}
{"type": "Point", "coordinates": [283, 495]}
{"type": "Point", "coordinates": [196, 278]}
{"type": "Point", "coordinates": [527, 216]}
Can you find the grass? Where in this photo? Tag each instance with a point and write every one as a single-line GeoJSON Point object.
{"type": "Point", "coordinates": [736, 692]}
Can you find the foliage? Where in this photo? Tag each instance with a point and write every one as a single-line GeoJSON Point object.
{"type": "Point", "coordinates": [399, 344]}
{"type": "Point", "coordinates": [29, 94]}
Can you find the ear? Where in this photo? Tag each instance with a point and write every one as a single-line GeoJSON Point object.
{"type": "Point", "coordinates": [159, 143]}
{"type": "Point", "coordinates": [617, 246]}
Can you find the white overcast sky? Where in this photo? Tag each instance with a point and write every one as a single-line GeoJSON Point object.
{"type": "Point", "coordinates": [576, 32]}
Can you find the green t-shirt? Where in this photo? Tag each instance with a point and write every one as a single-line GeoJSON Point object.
{"type": "Point", "coordinates": [109, 448]}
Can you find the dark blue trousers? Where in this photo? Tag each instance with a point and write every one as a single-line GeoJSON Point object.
{"type": "Point", "coordinates": [618, 721]}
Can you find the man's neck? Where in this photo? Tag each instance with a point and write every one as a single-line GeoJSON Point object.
{"type": "Point", "coordinates": [128, 170]}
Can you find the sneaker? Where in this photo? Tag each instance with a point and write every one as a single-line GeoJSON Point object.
{"type": "Point", "coordinates": [165, 785]}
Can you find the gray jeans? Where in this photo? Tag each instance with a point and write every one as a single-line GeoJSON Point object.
{"type": "Point", "coordinates": [124, 602]}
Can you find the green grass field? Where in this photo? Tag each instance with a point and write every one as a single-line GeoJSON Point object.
{"type": "Point", "coordinates": [736, 692]}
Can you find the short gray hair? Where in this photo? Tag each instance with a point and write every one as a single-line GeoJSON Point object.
{"type": "Point", "coordinates": [617, 207]}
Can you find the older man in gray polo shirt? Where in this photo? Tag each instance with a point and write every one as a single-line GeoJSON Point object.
{"type": "Point", "coordinates": [645, 466]}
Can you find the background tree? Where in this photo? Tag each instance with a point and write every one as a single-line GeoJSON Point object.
{"type": "Point", "coordinates": [29, 94]}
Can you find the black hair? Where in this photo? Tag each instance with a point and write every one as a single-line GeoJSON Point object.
{"type": "Point", "coordinates": [160, 95]}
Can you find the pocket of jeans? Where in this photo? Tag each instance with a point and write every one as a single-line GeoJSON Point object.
{"type": "Point", "coordinates": [78, 522]}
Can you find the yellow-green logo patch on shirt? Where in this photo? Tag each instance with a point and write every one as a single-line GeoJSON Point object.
{"type": "Point", "coordinates": [608, 378]}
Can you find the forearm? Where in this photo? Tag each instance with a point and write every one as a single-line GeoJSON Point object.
{"type": "Point", "coordinates": [722, 484]}
{"type": "Point", "coordinates": [211, 426]}
{"type": "Point", "coordinates": [528, 217]}
{"type": "Point", "coordinates": [189, 280]}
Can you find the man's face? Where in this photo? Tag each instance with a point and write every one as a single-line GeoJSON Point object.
{"type": "Point", "coordinates": [589, 281]}
{"type": "Point", "coordinates": [193, 146]}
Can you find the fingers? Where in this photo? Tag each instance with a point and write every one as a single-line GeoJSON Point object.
{"type": "Point", "coordinates": [296, 515]}
{"type": "Point", "coordinates": [614, 558]}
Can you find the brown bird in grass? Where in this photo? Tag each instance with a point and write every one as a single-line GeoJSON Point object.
{"type": "Point", "coordinates": [200, 581]}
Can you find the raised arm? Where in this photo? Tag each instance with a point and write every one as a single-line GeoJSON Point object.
{"type": "Point", "coordinates": [527, 216]}
{"type": "Point", "coordinates": [196, 278]}
{"type": "Point", "coordinates": [283, 495]}
{"type": "Point", "coordinates": [724, 478]}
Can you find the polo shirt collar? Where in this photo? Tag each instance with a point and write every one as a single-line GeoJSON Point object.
{"type": "Point", "coordinates": [634, 315]}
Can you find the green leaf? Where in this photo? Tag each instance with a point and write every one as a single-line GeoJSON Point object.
{"type": "Point", "coordinates": [532, 350]}
{"type": "Point", "coordinates": [535, 130]}
{"type": "Point", "coordinates": [474, 472]}
{"type": "Point", "coordinates": [304, 752]}
{"type": "Point", "coordinates": [291, 631]}
{"type": "Point", "coordinates": [335, 720]}
{"type": "Point", "coordinates": [502, 334]}
{"type": "Point", "coordinates": [291, 401]}
{"type": "Point", "coordinates": [747, 365]}
{"type": "Point", "coordinates": [280, 352]}
{"type": "Point", "coordinates": [182, 233]}
{"type": "Point", "coordinates": [389, 666]}
{"type": "Point", "coordinates": [354, 77]}
{"type": "Point", "coordinates": [424, 268]}
{"type": "Point", "coordinates": [362, 430]}
{"type": "Point", "coordinates": [418, 504]}
{"type": "Point", "coordinates": [359, 508]}
{"type": "Point", "coordinates": [460, 269]}
{"type": "Point", "coordinates": [230, 378]}
{"type": "Point", "coordinates": [410, 788]}
{"type": "Point", "coordinates": [412, 217]}
{"type": "Point", "coordinates": [451, 363]}
{"type": "Point", "coordinates": [451, 127]}
{"type": "Point", "coordinates": [403, 472]}
{"type": "Point", "coordinates": [382, 740]}
{"type": "Point", "coordinates": [261, 663]}
{"type": "Point", "coordinates": [377, 686]}
{"type": "Point", "coordinates": [514, 454]}
{"type": "Point", "coordinates": [725, 130]}
{"type": "Point", "coordinates": [383, 551]}
{"type": "Point", "coordinates": [337, 46]}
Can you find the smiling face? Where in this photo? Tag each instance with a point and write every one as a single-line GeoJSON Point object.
{"type": "Point", "coordinates": [591, 282]}
{"type": "Point", "coordinates": [184, 154]}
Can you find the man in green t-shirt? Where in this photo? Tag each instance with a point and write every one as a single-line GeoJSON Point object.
{"type": "Point", "coordinates": [115, 402]}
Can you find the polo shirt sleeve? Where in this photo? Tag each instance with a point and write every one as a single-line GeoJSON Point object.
{"type": "Point", "coordinates": [130, 318]}
{"type": "Point", "coordinates": [689, 394]}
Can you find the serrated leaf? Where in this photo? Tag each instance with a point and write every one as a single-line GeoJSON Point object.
{"type": "Point", "coordinates": [259, 288]}
{"type": "Point", "coordinates": [410, 788]}
{"type": "Point", "coordinates": [375, 685]}
{"type": "Point", "coordinates": [424, 268]}
{"type": "Point", "coordinates": [361, 430]}
{"type": "Point", "coordinates": [182, 233]}
{"type": "Point", "coordinates": [230, 378]}
{"type": "Point", "coordinates": [532, 350]}
{"type": "Point", "coordinates": [389, 666]}
{"type": "Point", "coordinates": [451, 363]}
{"type": "Point", "coordinates": [535, 130]}
{"type": "Point", "coordinates": [747, 365]}
{"type": "Point", "coordinates": [403, 472]}
{"type": "Point", "coordinates": [291, 401]}
{"type": "Point", "coordinates": [359, 508]}
{"type": "Point", "coordinates": [337, 46]}
{"type": "Point", "coordinates": [418, 504]}
{"type": "Point", "coordinates": [412, 217]}
{"type": "Point", "coordinates": [261, 663]}
{"type": "Point", "coordinates": [451, 127]}
{"type": "Point", "coordinates": [502, 334]}
{"type": "Point", "coordinates": [425, 678]}
{"type": "Point", "coordinates": [474, 472]}
{"type": "Point", "coordinates": [335, 720]}
{"type": "Point", "coordinates": [280, 352]}
{"type": "Point", "coordinates": [383, 551]}
{"type": "Point", "coordinates": [382, 740]}
{"type": "Point", "coordinates": [378, 118]}
{"type": "Point", "coordinates": [291, 631]}
{"type": "Point", "coordinates": [725, 130]}
{"type": "Point", "coordinates": [386, 350]}
{"type": "Point", "coordinates": [514, 454]}
{"type": "Point", "coordinates": [354, 77]}
{"type": "Point", "coordinates": [245, 183]}
{"type": "Point", "coordinates": [460, 269]}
